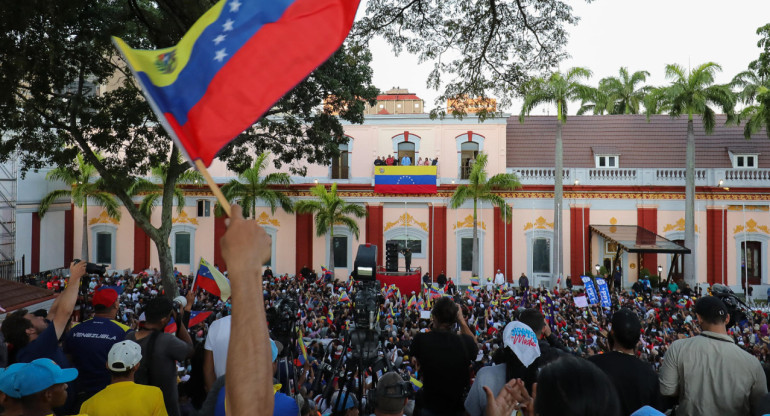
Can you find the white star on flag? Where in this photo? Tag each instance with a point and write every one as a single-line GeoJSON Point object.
{"type": "Point", "coordinates": [228, 26]}
{"type": "Point", "coordinates": [219, 39]}
{"type": "Point", "coordinates": [235, 5]}
{"type": "Point", "coordinates": [221, 54]}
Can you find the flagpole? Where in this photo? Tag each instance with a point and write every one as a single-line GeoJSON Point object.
{"type": "Point", "coordinates": [213, 186]}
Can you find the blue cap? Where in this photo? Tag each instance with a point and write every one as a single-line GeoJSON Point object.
{"type": "Point", "coordinates": [344, 405]}
{"type": "Point", "coordinates": [39, 375]}
{"type": "Point", "coordinates": [273, 350]}
{"type": "Point", "coordinates": [7, 379]}
{"type": "Point", "coordinates": [284, 405]}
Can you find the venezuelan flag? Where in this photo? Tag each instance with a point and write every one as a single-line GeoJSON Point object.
{"type": "Point", "coordinates": [238, 59]}
{"type": "Point", "coordinates": [405, 179]}
{"type": "Point", "coordinates": [212, 281]}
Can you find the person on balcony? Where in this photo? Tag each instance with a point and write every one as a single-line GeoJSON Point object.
{"type": "Point", "coordinates": [406, 161]}
{"type": "Point", "coordinates": [390, 160]}
{"type": "Point", "coordinates": [426, 162]}
{"type": "Point", "coordinates": [379, 161]}
{"type": "Point", "coordinates": [419, 162]}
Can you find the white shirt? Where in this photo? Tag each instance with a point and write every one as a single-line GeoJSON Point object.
{"type": "Point", "coordinates": [499, 278]}
{"type": "Point", "coordinates": [217, 341]}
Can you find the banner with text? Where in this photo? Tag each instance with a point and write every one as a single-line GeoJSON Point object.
{"type": "Point", "coordinates": [590, 290]}
{"type": "Point", "coordinates": [604, 292]}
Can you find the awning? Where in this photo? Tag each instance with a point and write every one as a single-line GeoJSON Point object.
{"type": "Point", "coordinates": [635, 239]}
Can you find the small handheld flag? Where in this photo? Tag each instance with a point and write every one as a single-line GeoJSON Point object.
{"type": "Point", "coordinates": [212, 280]}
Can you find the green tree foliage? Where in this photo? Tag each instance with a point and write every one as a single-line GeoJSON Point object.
{"type": "Point", "coordinates": [754, 89]}
{"type": "Point", "coordinates": [478, 49]}
{"type": "Point", "coordinates": [253, 185]}
{"type": "Point", "coordinates": [63, 91]}
{"type": "Point", "coordinates": [151, 192]}
{"type": "Point", "coordinates": [85, 186]}
{"type": "Point", "coordinates": [693, 93]}
{"type": "Point", "coordinates": [330, 210]}
{"type": "Point", "coordinates": [481, 188]}
{"type": "Point", "coordinates": [558, 89]}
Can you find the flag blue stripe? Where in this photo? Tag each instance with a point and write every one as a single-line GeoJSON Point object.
{"type": "Point", "coordinates": [405, 180]}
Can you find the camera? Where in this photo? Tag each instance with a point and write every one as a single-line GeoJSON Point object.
{"type": "Point", "coordinates": [92, 268]}
{"type": "Point", "coordinates": [281, 318]}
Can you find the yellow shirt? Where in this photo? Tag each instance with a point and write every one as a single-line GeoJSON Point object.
{"type": "Point", "coordinates": [126, 399]}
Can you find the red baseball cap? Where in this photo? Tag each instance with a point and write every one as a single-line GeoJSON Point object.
{"type": "Point", "coordinates": [105, 297]}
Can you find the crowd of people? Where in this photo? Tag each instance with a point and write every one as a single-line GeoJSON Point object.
{"type": "Point", "coordinates": [405, 160]}
{"type": "Point", "coordinates": [490, 349]}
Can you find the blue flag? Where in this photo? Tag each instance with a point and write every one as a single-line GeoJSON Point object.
{"type": "Point", "coordinates": [590, 290]}
{"type": "Point", "coordinates": [604, 292]}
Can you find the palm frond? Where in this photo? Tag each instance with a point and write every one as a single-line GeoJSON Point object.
{"type": "Point", "coordinates": [50, 199]}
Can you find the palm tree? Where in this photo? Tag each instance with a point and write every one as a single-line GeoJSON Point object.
{"type": "Point", "coordinates": [153, 192]}
{"type": "Point", "coordinates": [624, 95]}
{"type": "Point", "coordinates": [693, 92]}
{"type": "Point", "coordinates": [478, 189]}
{"type": "Point", "coordinates": [558, 89]}
{"type": "Point", "coordinates": [755, 93]}
{"type": "Point", "coordinates": [251, 186]}
{"type": "Point", "coordinates": [330, 210]}
{"type": "Point", "coordinates": [598, 103]}
{"type": "Point", "coordinates": [85, 186]}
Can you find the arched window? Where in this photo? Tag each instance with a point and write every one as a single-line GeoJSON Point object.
{"type": "Point", "coordinates": [406, 149]}
{"type": "Point", "coordinates": [468, 153]}
{"type": "Point", "coordinates": [182, 242]}
{"type": "Point", "coordinates": [751, 249]}
{"type": "Point", "coordinates": [103, 241]}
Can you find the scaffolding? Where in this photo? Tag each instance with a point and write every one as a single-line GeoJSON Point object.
{"type": "Point", "coordinates": [8, 185]}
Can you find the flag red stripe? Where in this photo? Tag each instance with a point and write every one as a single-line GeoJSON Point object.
{"type": "Point", "coordinates": [405, 189]}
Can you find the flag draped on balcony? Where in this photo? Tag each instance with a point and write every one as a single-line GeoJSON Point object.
{"type": "Point", "coordinates": [405, 179]}
{"type": "Point", "coordinates": [233, 64]}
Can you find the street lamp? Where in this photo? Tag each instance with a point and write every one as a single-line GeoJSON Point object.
{"type": "Point", "coordinates": [660, 274]}
{"type": "Point", "coordinates": [597, 268]}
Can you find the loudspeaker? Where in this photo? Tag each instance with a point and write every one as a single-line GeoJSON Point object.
{"type": "Point", "coordinates": [391, 256]}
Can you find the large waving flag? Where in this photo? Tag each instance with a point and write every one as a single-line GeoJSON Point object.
{"type": "Point", "coordinates": [196, 317]}
{"type": "Point", "coordinates": [238, 59]}
{"type": "Point", "coordinates": [212, 280]}
{"type": "Point", "coordinates": [405, 179]}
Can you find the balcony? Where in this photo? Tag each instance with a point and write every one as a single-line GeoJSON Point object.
{"type": "Point", "coordinates": [646, 177]}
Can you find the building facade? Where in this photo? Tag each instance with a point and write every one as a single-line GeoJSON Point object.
{"type": "Point", "coordinates": [619, 171]}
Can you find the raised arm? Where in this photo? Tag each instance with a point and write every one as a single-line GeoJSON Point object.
{"type": "Point", "coordinates": [245, 248]}
{"type": "Point", "coordinates": [62, 307]}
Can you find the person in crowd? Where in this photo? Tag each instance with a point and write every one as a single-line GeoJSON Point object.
{"type": "Point", "coordinates": [390, 160]}
{"type": "Point", "coordinates": [267, 274]}
{"type": "Point", "coordinates": [378, 161]}
{"type": "Point", "coordinates": [635, 381]}
{"type": "Point", "coordinates": [89, 342]}
{"type": "Point", "coordinates": [391, 395]}
{"type": "Point", "coordinates": [34, 337]}
{"type": "Point", "coordinates": [569, 283]}
{"type": "Point", "coordinates": [443, 359]}
{"type": "Point", "coordinates": [123, 397]}
{"type": "Point", "coordinates": [441, 280]}
{"type": "Point", "coordinates": [617, 278]}
{"type": "Point", "coordinates": [523, 283]}
{"type": "Point", "coordinates": [450, 285]}
{"type": "Point", "coordinates": [41, 386]}
{"type": "Point", "coordinates": [406, 161]}
{"type": "Point", "coordinates": [347, 405]}
{"type": "Point", "coordinates": [709, 373]}
{"type": "Point", "coordinates": [3, 351]}
{"type": "Point", "coordinates": [407, 253]}
{"type": "Point", "coordinates": [161, 351]}
{"type": "Point", "coordinates": [426, 279]}
{"type": "Point", "coordinates": [215, 350]}
{"type": "Point", "coordinates": [499, 279]}
{"type": "Point", "coordinates": [10, 398]}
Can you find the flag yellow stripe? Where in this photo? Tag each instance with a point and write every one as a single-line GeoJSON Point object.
{"type": "Point", "coordinates": [405, 170]}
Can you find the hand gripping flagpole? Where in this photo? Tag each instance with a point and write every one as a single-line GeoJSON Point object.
{"type": "Point", "coordinates": [213, 186]}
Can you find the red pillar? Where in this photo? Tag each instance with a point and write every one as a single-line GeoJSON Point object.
{"type": "Point", "coordinates": [34, 258]}
{"type": "Point", "coordinates": [304, 241]}
{"type": "Point", "coordinates": [219, 232]}
{"type": "Point", "coordinates": [374, 227]}
{"type": "Point", "coordinates": [69, 235]}
{"type": "Point", "coordinates": [141, 249]}
{"type": "Point", "coordinates": [437, 239]}
{"type": "Point", "coordinates": [580, 217]}
{"type": "Point", "coordinates": [647, 218]}
{"type": "Point", "coordinates": [503, 241]}
{"type": "Point", "coordinates": [716, 245]}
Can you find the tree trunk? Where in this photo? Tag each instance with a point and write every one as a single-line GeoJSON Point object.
{"type": "Point", "coordinates": [689, 208]}
{"type": "Point", "coordinates": [558, 266]}
{"type": "Point", "coordinates": [331, 252]}
{"type": "Point", "coordinates": [84, 240]}
{"type": "Point", "coordinates": [475, 253]}
{"type": "Point", "coordinates": [167, 267]}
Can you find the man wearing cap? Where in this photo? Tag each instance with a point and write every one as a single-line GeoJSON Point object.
{"type": "Point", "coordinates": [709, 373]}
{"type": "Point", "coordinates": [89, 342]}
{"type": "Point", "coordinates": [390, 395]}
{"type": "Point", "coordinates": [635, 381]}
{"type": "Point", "coordinates": [123, 396]}
{"type": "Point", "coordinates": [40, 386]}
{"type": "Point", "coordinates": [10, 403]}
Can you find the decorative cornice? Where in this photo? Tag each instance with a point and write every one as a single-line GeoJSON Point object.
{"type": "Point", "coordinates": [184, 219]}
{"type": "Point", "coordinates": [540, 224]}
{"type": "Point", "coordinates": [103, 218]}
{"type": "Point", "coordinates": [761, 208]}
{"type": "Point", "coordinates": [406, 220]}
{"type": "Point", "coordinates": [468, 223]}
{"type": "Point", "coordinates": [751, 226]}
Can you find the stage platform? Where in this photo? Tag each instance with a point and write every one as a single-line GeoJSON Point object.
{"type": "Point", "coordinates": [407, 282]}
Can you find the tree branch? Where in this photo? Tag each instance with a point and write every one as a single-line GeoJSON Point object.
{"type": "Point", "coordinates": [526, 23]}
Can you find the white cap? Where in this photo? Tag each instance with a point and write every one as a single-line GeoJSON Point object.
{"type": "Point", "coordinates": [124, 356]}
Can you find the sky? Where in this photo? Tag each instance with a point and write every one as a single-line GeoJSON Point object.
{"type": "Point", "coordinates": [640, 35]}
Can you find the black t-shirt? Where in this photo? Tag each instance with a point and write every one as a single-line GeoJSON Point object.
{"type": "Point", "coordinates": [635, 381]}
{"type": "Point", "coordinates": [445, 359]}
